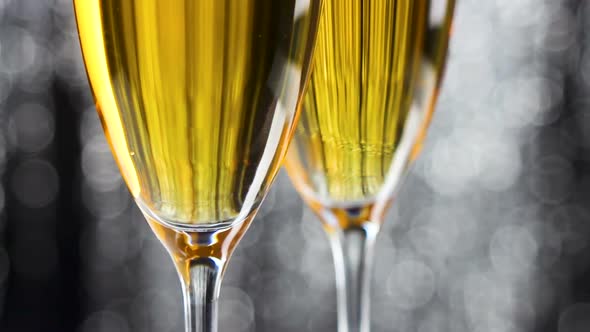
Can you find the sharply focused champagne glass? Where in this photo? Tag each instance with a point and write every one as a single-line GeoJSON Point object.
{"type": "Point", "coordinates": [377, 71]}
{"type": "Point", "coordinates": [198, 99]}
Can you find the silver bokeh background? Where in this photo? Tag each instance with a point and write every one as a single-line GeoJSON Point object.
{"type": "Point", "coordinates": [483, 237]}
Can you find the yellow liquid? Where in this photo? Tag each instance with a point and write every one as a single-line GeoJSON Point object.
{"type": "Point", "coordinates": [197, 97]}
{"type": "Point", "coordinates": [375, 61]}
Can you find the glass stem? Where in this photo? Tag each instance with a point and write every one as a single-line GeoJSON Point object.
{"type": "Point", "coordinates": [352, 249]}
{"type": "Point", "coordinates": [200, 287]}
{"type": "Point", "coordinates": [200, 257]}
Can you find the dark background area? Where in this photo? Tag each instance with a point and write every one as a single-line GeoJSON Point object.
{"type": "Point", "coordinates": [490, 233]}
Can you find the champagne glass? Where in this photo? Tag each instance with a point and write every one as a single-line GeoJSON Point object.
{"type": "Point", "coordinates": [377, 71]}
{"type": "Point", "coordinates": [198, 100]}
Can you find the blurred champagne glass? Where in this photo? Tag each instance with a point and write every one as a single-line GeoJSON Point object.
{"type": "Point", "coordinates": [377, 70]}
{"type": "Point", "coordinates": [198, 100]}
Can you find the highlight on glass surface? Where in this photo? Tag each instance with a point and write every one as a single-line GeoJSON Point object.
{"type": "Point", "coordinates": [377, 70]}
{"type": "Point", "coordinates": [198, 100]}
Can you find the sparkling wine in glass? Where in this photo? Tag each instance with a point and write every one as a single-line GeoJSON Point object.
{"type": "Point", "coordinates": [198, 100]}
{"type": "Point", "coordinates": [377, 71]}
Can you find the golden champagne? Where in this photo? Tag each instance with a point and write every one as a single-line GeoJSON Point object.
{"type": "Point", "coordinates": [375, 62]}
{"type": "Point", "coordinates": [198, 98]}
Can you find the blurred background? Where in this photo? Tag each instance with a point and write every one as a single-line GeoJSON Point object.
{"type": "Point", "coordinates": [490, 233]}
